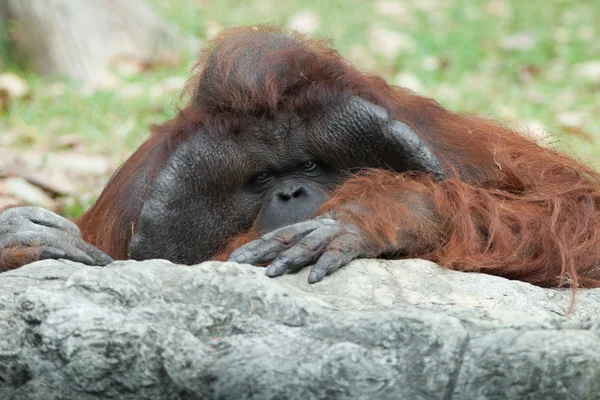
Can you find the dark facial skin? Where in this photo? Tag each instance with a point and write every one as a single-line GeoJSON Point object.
{"type": "Point", "coordinates": [291, 195]}
{"type": "Point", "coordinates": [266, 175]}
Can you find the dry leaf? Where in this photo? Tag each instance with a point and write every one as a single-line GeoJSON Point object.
{"type": "Point", "coordinates": [130, 66]}
{"type": "Point", "coordinates": [562, 35]}
{"type": "Point", "coordinates": [13, 85]}
{"type": "Point", "coordinates": [537, 131]}
{"type": "Point", "coordinates": [391, 8]}
{"type": "Point", "coordinates": [212, 27]}
{"type": "Point", "coordinates": [571, 119]}
{"type": "Point", "coordinates": [521, 41]}
{"type": "Point", "coordinates": [390, 43]}
{"type": "Point", "coordinates": [28, 193]}
{"type": "Point", "coordinates": [431, 63]}
{"type": "Point", "coordinates": [589, 70]}
{"type": "Point", "coordinates": [360, 56]}
{"type": "Point", "coordinates": [130, 90]}
{"type": "Point", "coordinates": [498, 8]}
{"type": "Point", "coordinates": [306, 21]}
{"type": "Point", "coordinates": [169, 86]}
{"type": "Point", "coordinates": [70, 141]}
{"type": "Point", "coordinates": [586, 33]}
{"type": "Point", "coordinates": [409, 81]}
{"type": "Point", "coordinates": [56, 89]}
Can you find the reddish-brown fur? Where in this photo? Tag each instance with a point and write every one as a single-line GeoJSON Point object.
{"type": "Point", "coordinates": [14, 257]}
{"type": "Point", "coordinates": [509, 207]}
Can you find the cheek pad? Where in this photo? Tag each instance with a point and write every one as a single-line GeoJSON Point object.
{"type": "Point", "coordinates": [188, 212]}
{"type": "Point", "coordinates": [360, 134]}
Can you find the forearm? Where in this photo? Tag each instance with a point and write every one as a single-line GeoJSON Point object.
{"type": "Point", "coordinates": [546, 240]}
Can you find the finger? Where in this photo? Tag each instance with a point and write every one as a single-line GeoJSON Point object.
{"type": "Point", "coordinates": [38, 216]}
{"type": "Point", "coordinates": [269, 246]}
{"type": "Point", "coordinates": [100, 258]}
{"type": "Point", "coordinates": [103, 259]}
{"type": "Point", "coordinates": [299, 229]}
{"type": "Point", "coordinates": [21, 255]}
{"type": "Point", "coordinates": [339, 253]}
{"type": "Point", "coordinates": [26, 238]}
{"type": "Point", "coordinates": [258, 252]}
{"type": "Point", "coordinates": [73, 247]}
{"type": "Point", "coordinates": [74, 254]}
{"type": "Point", "coordinates": [51, 253]}
{"type": "Point", "coordinates": [303, 253]}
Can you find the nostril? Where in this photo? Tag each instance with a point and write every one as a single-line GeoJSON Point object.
{"type": "Point", "coordinates": [298, 192]}
{"type": "Point", "coordinates": [284, 196]}
{"type": "Point", "coordinates": [287, 195]}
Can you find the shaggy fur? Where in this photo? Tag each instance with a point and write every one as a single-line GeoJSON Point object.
{"type": "Point", "coordinates": [509, 206]}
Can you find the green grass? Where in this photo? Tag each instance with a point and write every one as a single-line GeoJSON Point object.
{"type": "Point", "coordinates": [463, 36]}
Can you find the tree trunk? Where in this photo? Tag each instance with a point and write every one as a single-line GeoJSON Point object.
{"type": "Point", "coordinates": [83, 39]}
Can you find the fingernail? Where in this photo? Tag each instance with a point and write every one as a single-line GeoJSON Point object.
{"type": "Point", "coordinates": [238, 258]}
{"type": "Point", "coordinates": [271, 271]}
{"type": "Point", "coordinates": [313, 277]}
{"type": "Point", "coordinates": [86, 259]}
{"type": "Point", "coordinates": [52, 253]}
{"type": "Point", "coordinates": [105, 261]}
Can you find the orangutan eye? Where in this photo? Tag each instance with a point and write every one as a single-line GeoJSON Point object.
{"type": "Point", "coordinates": [309, 166]}
{"type": "Point", "coordinates": [262, 178]}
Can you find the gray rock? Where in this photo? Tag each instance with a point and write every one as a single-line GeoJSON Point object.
{"type": "Point", "coordinates": [373, 330]}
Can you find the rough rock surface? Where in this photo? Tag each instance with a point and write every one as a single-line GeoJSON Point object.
{"type": "Point", "coordinates": [373, 330]}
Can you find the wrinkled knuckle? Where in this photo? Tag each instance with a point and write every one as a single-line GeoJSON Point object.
{"type": "Point", "coordinates": [277, 239]}
{"type": "Point", "coordinates": [258, 243]}
{"type": "Point", "coordinates": [283, 237]}
{"type": "Point", "coordinates": [244, 252]}
{"type": "Point", "coordinates": [11, 216]}
{"type": "Point", "coordinates": [5, 232]}
{"type": "Point", "coordinates": [285, 259]}
{"type": "Point", "coordinates": [344, 244]}
{"type": "Point", "coordinates": [327, 221]}
{"type": "Point", "coordinates": [234, 253]}
{"type": "Point", "coordinates": [311, 245]}
{"type": "Point", "coordinates": [74, 228]}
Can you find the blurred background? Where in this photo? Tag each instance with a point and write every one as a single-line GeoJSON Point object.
{"type": "Point", "coordinates": [81, 80]}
